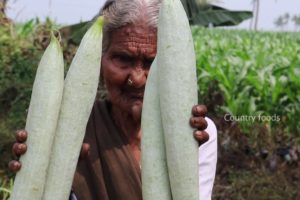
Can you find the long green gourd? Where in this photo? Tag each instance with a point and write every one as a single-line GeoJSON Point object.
{"type": "Point", "coordinates": [155, 177]}
{"type": "Point", "coordinates": [79, 95]}
{"type": "Point", "coordinates": [178, 93]}
{"type": "Point", "coordinates": [41, 124]}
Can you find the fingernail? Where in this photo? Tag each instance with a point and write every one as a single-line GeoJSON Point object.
{"type": "Point", "coordinates": [21, 146]}
{"type": "Point", "coordinates": [198, 109]}
{"type": "Point", "coordinates": [22, 133]}
{"type": "Point", "coordinates": [16, 165]}
{"type": "Point", "coordinates": [198, 134]}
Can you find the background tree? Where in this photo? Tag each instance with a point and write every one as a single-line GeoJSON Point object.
{"type": "Point", "coordinates": [296, 21]}
{"type": "Point", "coordinates": [257, 6]}
{"type": "Point", "coordinates": [2, 6]}
{"type": "Point", "coordinates": [255, 11]}
{"type": "Point", "coordinates": [279, 22]}
{"type": "Point", "coordinates": [3, 18]}
{"type": "Point", "coordinates": [282, 21]}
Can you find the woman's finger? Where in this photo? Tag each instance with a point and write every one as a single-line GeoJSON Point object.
{"type": "Point", "coordinates": [14, 166]}
{"type": "Point", "coordinates": [198, 123]}
{"type": "Point", "coordinates": [201, 136]}
{"type": "Point", "coordinates": [21, 136]}
{"type": "Point", "coordinates": [19, 149]}
{"type": "Point", "coordinates": [199, 110]}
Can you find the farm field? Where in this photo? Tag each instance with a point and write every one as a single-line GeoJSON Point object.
{"type": "Point", "coordinates": [250, 82]}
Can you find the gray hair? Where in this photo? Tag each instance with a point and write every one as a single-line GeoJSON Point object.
{"type": "Point", "coordinates": [119, 13]}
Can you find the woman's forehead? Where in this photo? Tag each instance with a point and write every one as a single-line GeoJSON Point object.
{"type": "Point", "coordinates": [132, 33]}
{"type": "Point", "coordinates": [134, 38]}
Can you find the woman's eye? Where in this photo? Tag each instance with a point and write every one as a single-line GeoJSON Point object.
{"type": "Point", "coordinates": [124, 58]}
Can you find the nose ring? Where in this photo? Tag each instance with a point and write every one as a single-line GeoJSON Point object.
{"type": "Point", "coordinates": [129, 82]}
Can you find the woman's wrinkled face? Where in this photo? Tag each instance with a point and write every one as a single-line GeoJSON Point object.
{"type": "Point", "coordinates": [129, 56]}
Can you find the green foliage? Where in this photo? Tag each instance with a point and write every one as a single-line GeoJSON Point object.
{"type": "Point", "coordinates": [5, 188]}
{"type": "Point", "coordinates": [258, 185]}
{"type": "Point", "coordinates": [257, 73]}
{"type": "Point", "coordinates": [20, 51]}
{"type": "Point", "coordinates": [240, 72]}
{"type": "Point", "coordinates": [202, 13]}
{"type": "Point", "coordinates": [21, 48]}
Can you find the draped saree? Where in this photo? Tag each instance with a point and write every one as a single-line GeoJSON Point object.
{"type": "Point", "coordinates": [110, 171]}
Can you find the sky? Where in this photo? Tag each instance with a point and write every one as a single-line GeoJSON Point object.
{"type": "Point", "coordinates": [70, 12]}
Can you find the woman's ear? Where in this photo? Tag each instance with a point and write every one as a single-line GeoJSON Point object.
{"type": "Point", "coordinates": [101, 79]}
{"type": "Point", "coordinates": [102, 92]}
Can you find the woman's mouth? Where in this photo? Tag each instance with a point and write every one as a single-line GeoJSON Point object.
{"type": "Point", "coordinates": [139, 95]}
{"type": "Point", "coordinates": [135, 93]}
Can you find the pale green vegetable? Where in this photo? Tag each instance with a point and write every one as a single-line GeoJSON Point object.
{"type": "Point", "coordinates": [41, 124]}
{"type": "Point", "coordinates": [155, 177]}
{"type": "Point", "coordinates": [178, 93]}
{"type": "Point", "coordinates": [78, 98]}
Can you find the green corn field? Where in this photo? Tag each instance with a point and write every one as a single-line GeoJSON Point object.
{"type": "Point", "coordinates": [256, 73]}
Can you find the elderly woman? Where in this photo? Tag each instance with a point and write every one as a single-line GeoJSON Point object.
{"type": "Point", "coordinates": [111, 169]}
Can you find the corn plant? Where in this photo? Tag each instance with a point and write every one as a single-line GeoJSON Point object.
{"type": "Point", "coordinates": [5, 188]}
{"type": "Point", "coordinates": [257, 72]}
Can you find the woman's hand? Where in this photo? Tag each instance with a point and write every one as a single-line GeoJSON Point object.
{"type": "Point", "coordinates": [19, 148]}
{"type": "Point", "coordinates": [198, 122]}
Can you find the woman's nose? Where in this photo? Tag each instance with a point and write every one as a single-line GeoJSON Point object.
{"type": "Point", "coordinates": [138, 76]}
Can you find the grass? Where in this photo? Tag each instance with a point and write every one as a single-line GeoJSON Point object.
{"type": "Point", "coordinates": [5, 188]}
{"type": "Point", "coordinates": [254, 185]}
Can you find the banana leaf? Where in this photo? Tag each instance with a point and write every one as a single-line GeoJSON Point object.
{"type": "Point", "coordinates": [74, 33]}
{"type": "Point", "coordinates": [206, 15]}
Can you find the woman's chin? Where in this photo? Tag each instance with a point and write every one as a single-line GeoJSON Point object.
{"type": "Point", "coordinates": [136, 111]}
{"type": "Point", "coordinates": [131, 106]}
